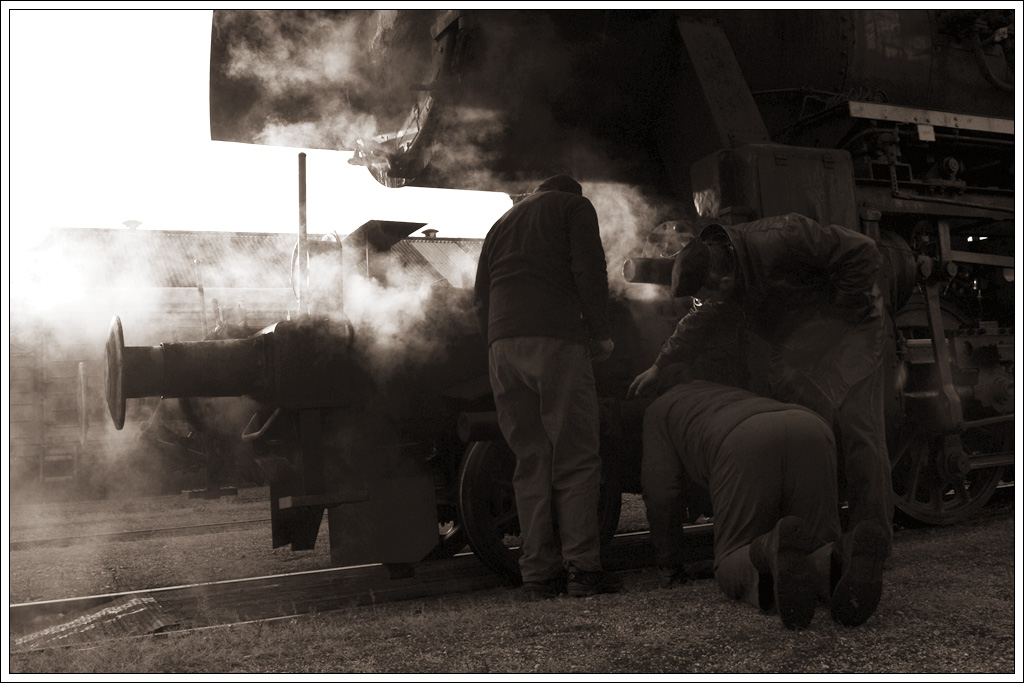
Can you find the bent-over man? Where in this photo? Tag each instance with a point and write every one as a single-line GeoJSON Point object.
{"type": "Point", "coordinates": [809, 294]}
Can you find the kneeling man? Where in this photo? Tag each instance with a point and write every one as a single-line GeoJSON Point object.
{"type": "Point", "coordinates": [769, 470]}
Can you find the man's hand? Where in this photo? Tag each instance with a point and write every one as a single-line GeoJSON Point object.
{"type": "Point", "coordinates": [644, 382]}
{"type": "Point", "coordinates": [601, 349]}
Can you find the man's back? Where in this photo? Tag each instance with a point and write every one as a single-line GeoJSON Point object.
{"type": "Point", "coordinates": [542, 271]}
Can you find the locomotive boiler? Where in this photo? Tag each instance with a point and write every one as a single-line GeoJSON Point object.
{"type": "Point", "coordinates": [896, 123]}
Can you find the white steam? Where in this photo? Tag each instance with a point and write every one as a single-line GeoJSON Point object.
{"type": "Point", "coordinates": [626, 217]}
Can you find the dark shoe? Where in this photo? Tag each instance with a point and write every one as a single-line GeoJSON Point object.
{"type": "Point", "coordinates": [669, 577]}
{"type": "Point", "coordinates": [534, 591]}
{"type": "Point", "coordinates": [858, 589]}
{"type": "Point", "coordinates": [584, 584]}
{"type": "Point", "coordinates": [781, 556]}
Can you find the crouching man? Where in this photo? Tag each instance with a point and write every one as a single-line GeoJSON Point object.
{"type": "Point", "coordinates": [769, 471]}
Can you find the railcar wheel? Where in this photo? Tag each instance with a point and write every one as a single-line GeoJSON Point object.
{"type": "Point", "coordinates": [487, 506]}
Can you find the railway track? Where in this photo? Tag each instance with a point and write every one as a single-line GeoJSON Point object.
{"type": "Point", "coordinates": [190, 530]}
{"type": "Point", "coordinates": [75, 621]}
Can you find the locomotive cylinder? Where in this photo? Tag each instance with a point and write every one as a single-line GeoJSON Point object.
{"type": "Point", "coordinates": [178, 370]}
{"type": "Point", "coordinates": [232, 367]}
{"type": "Point", "coordinates": [294, 365]}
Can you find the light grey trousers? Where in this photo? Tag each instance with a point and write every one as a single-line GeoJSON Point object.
{"type": "Point", "coordinates": [546, 399]}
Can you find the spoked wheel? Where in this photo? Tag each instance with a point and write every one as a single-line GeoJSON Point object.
{"type": "Point", "coordinates": [928, 489]}
{"type": "Point", "coordinates": [932, 484]}
{"type": "Point", "coordinates": [487, 504]}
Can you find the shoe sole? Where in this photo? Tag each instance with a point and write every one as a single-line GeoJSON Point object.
{"type": "Point", "coordinates": [859, 589]}
{"type": "Point", "coordinates": [795, 595]}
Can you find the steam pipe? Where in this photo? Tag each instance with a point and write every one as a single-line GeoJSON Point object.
{"type": "Point", "coordinates": [303, 255]}
{"type": "Point", "coordinates": [202, 296]}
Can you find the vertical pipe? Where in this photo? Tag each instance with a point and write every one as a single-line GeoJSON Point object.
{"type": "Point", "coordinates": [202, 297]}
{"type": "Point", "coordinates": [83, 413]}
{"type": "Point", "coordinates": [303, 256]}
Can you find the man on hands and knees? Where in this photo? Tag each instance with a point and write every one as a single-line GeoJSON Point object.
{"type": "Point", "coordinates": [541, 296]}
{"type": "Point", "coordinates": [769, 470]}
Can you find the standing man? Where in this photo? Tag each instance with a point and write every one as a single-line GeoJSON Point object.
{"type": "Point", "coordinates": [810, 297]}
{"type": "Point", "coordinates": [541, 298]}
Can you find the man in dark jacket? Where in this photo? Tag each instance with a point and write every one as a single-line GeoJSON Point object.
{"type": "Point", "coordinates": [811, 303]}
{"type": "Point", "coordinates": [541, 297]}
{"type": "Point", "coordinates": [769, 470]}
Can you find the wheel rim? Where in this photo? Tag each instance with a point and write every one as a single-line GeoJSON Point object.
{"type": "Point", "coordinates": [924, 494]}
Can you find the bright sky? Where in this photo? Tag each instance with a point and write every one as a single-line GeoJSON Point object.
{"type": "Point", "coordinates": [110, 122]}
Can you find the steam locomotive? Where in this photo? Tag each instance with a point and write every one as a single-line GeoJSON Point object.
{"type": "Point", "coordinates": [897, 123]}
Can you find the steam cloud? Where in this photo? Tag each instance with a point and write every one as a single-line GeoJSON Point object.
{"type": "Point", "coordinates": [309, 68]}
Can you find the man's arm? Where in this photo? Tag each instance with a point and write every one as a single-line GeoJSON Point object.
{"type": "Point", "coordinates": [589, 268]}
{"type": "Point", "coordinates": [482, 292]}
{"type": "Point", "coordinates": [703, 328]}
{"type": "Point", "coordinates": [851, 259]}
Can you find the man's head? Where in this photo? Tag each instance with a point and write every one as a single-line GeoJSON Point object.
{"type": "Point", "coordinates": [560, 183]}
{"type": "Point", "coordinates": [705, 268]}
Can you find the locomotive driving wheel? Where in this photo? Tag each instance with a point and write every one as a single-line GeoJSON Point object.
{"type": "Point", "coordinates": [487, 503]}
{"type": "Point", "coordinates": [931, 483]}
{"type": "Point", "coordinates": [932, 478]}
{"type": "Point", "coordinates": [487, 507]}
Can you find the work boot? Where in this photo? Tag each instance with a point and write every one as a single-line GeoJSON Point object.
{"type": "Point", "coordinates": [669, 577]}
{"type": "Point", "coordinates": [584, 584]}
{"type": "Point", "coordinates": [857, 563]}
{"type": "Point", "coordinates": [534, 591]}
{"type": "Point", "coordinates": [781, 557]}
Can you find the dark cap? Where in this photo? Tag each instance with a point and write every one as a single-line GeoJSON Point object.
{"type": "Point", "coordinates": [560, 183]}
{"type": "Point", "coordinates": [691, 268]}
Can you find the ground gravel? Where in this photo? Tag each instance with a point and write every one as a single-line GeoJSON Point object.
{"type": "Point", "coordinates": [949, 607]}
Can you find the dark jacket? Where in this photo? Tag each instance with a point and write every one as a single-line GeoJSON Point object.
{"type": "Point", "coordinates": [700, 415]}
{"type": "Point", "coordinates": [807, 289]}
{"type": "Point", "coordinates": [542, 271]}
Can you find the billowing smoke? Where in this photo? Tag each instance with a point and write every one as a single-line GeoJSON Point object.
{"type": "Point", "coordinates": [287, 52]}
{"type": "Point", "coordinates": [63, 300]}
{"type": "Point", "coordinates": [330, 132]}
{"type": "Point", "coordinates": [309, 79]}
{"type": "Point", "coordinates": [401, 319]}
